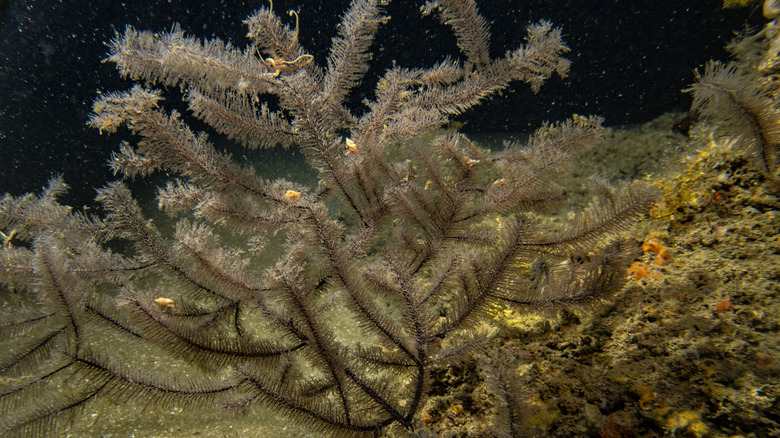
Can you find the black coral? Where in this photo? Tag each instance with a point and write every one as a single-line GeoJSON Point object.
{"type": "Point", "coordinates": [731, 94]}
{"type": "Point", "coordinates": [263, 284]}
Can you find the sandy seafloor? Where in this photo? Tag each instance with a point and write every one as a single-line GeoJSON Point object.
{"type": "Point", "coordinates": [692, 350]}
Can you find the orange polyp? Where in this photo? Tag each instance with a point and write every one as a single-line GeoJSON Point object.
{"type": "Point", "coordinates": [639, 271]}
{"type": "Point", "coordinates": [660, 250]}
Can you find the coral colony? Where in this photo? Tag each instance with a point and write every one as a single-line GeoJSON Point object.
{"type": "Point", "coordinates": [331, 304]}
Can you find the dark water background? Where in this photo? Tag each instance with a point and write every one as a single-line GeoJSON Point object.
{"type": "Point", "coordinates": [630, 61]}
